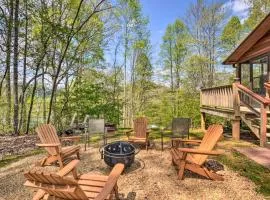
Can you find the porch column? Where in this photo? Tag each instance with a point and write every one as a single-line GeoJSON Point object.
{"type": "Point", "coordinates": [236, 104]}
{"type": "Point", "coordinates": [236, 129]}
{"type": "Point", "coordinates": [237, 73]}
{"type": "Point", "coordinates": [203, 118]}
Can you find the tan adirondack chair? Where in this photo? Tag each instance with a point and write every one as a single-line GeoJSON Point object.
{"type": "Point", "coordinates": [50, 141]}
{"type": "Point", "coordinates": [140, 133]}
{"type": "Point", "coordinates": [58, 186]}
{"type": "Point", "coordinates": [193, 159]}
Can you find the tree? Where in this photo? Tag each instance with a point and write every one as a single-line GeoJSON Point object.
{"type": "Point", "coordinates": [204, 21]}
{"type": "Point", "coordinates": [132, 22]}
{"type": "Point", "coordinates": [231, 34]}
{"type": "Point", "coordinates": [167, 52]}
{"type": "Point", "coordinates": [15, 69]}
{"type": "Point", "coordinates": [173, 53]}
{"type": "Point", "coordinates": [257, 11]}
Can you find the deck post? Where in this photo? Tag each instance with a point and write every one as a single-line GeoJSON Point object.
{"type": "Point", "coordinates": [263, 126]}
{"type": "Point", "coordinates": [203, 118]}
{"type": "Point", "coordinates": [236, 129]}
{"type": "Point", "coordinates": [236, 106]}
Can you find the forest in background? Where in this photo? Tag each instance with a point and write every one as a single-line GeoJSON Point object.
{"type": "Point", "coordinates": [95, 58]}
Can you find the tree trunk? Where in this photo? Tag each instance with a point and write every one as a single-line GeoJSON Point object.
{"type": "Point", "coordinates": [8, 63]}
{"type": "Point", "coordinates": [125, 78]}
{"type": "Point", "coordinates": [23, 109]}
{"type": "Point", "coordinates": [15, 69]}
{"type": "Point", "coordinates": [43, 96]}
{"type": "Point", "coordinates": [32, 101]}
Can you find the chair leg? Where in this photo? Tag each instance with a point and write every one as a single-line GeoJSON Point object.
{"type": "Point", "coordinates": [181, 171]}
{"type": "Point", "coordinates": [173, 163]}
{"type": "Point", "coordinates": [213, 175]}
{"type": "Point", "coordinates": [78, 155]}
{"type": "Point", "coordinates": [60, 162]}
{"type": "Point", "coordinates": [42, 162]}
{"type": "Point", "coordinates": [204, 172]}
{"type": "Point", "coordinates": [146, 146]}
{"type": "Point", "coordinates": [116, 191]}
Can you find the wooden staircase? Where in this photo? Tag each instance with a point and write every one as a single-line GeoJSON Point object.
{"type": "Point", "coordinates": [237, 102]}
{"type": "Point", "coordinates": [252, 120]}
{"type": "Point", "coordinates": [255, 113]}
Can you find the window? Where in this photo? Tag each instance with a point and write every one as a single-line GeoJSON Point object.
{"type": "Point", "coordinates": [259, 74]}
{"type": "Point", "coordinates": [245, 75]}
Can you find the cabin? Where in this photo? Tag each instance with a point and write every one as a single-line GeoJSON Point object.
{"type": "Point", "coordinates": [247, 99]}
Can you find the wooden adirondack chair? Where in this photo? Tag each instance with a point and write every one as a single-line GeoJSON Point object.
{"type": "Point", "coordinates": [193, 159]}
{"type": "Point", "coordinates": [50, 141]}
{"type": "Point", "coordinates": [58, 186]}
{"type": "Point", "coordinates": [140, 133]}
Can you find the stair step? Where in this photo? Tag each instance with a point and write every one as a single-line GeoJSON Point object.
{"type": "Point", "coordinates": [267, 134]}
{"type": "Point", "coordinates": [257, 126]}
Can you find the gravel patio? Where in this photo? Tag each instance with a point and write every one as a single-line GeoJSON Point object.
{"type": "Point", "coordinates": [151, 177]}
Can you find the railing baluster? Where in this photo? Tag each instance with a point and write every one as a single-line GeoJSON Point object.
{"type": "Point", "coordinates": [217, 97]}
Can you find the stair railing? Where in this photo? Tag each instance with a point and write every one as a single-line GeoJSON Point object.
{"type": "Point", "coordinates": [258, 105]}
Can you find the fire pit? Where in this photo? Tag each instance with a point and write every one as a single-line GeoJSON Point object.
{"type": "Point", "coordinates": [118, 152]}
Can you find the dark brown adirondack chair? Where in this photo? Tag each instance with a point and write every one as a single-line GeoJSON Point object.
{"type": "Point", "coordinates": [193, 159]}
{"type": "Point", "coordinates": [140, 133]}
{"type": "Point", "coordinates": [50, 141]}
{"type": "Point", "coordinates": [57, 186]}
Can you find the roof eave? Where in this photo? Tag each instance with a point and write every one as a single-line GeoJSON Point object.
{"type": "Point", "coordinates": [229, 60]}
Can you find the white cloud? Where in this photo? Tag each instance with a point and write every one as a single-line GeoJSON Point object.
{"type": "Point", "coordinates": [238, 8]}
{"type": "Point", "coordinates": [161, 31]}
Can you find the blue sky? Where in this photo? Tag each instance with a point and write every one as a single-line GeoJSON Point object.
{"type": "Point", "coordinates": [163, 12]}
{"type": "Point", "coordinates": [160, 14]}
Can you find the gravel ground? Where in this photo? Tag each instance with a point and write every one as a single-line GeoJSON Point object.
{"type": "Point", "coordinates": [151, 177]}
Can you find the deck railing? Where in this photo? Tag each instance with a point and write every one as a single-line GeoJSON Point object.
{"type": "Point", "coordinates": [232, 96]}
{"type": "Point", "coordinates": [259, 105]}
{"type": "Point", "coordinates": [250, 99]}
{"type": "Point", "coordinates": [217, 97]}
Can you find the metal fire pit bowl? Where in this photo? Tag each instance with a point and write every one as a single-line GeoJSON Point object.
{"type": "Point", "coordinates": [118, 152]}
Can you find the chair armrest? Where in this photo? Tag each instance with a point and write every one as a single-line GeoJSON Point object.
{"type": "Point", "coordinates": [68, 168]}
{"type": "Point", "coordinates": [39, 195]}
{"type": "Point", "coordinates": [49, 145]}
{"type": "Point", "coordinates": [199, 151]}
{"type": "Point", "coordinates": [186, 141]}
{"type": "Point", "coordinates": [111, 182]}
{"type": "Point", "coordinates": [72, 138]}
{"type": "Point", "coordinates": [128, 132]}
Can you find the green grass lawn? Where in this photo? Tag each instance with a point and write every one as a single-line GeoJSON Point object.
{"type": "Point", "coordinates": [248, 168]}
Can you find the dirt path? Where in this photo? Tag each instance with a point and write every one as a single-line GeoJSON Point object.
{"type": "Point", "coordinates": [151, 177]}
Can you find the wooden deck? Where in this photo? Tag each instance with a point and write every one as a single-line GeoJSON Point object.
{"type": "Point", "coordinates": [236, 102]}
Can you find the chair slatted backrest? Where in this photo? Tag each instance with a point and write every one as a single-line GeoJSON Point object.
{"type": "Point", "coordinates": [209, 141]}
{"type": "Point", "coordinates": [180, 127]}
{"type": "Point", "coordinates": [55, 185]}
{"type": "Point", "coordinates": [140, 127]}
{"type": "Point", "coordinates": [48, 135]}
